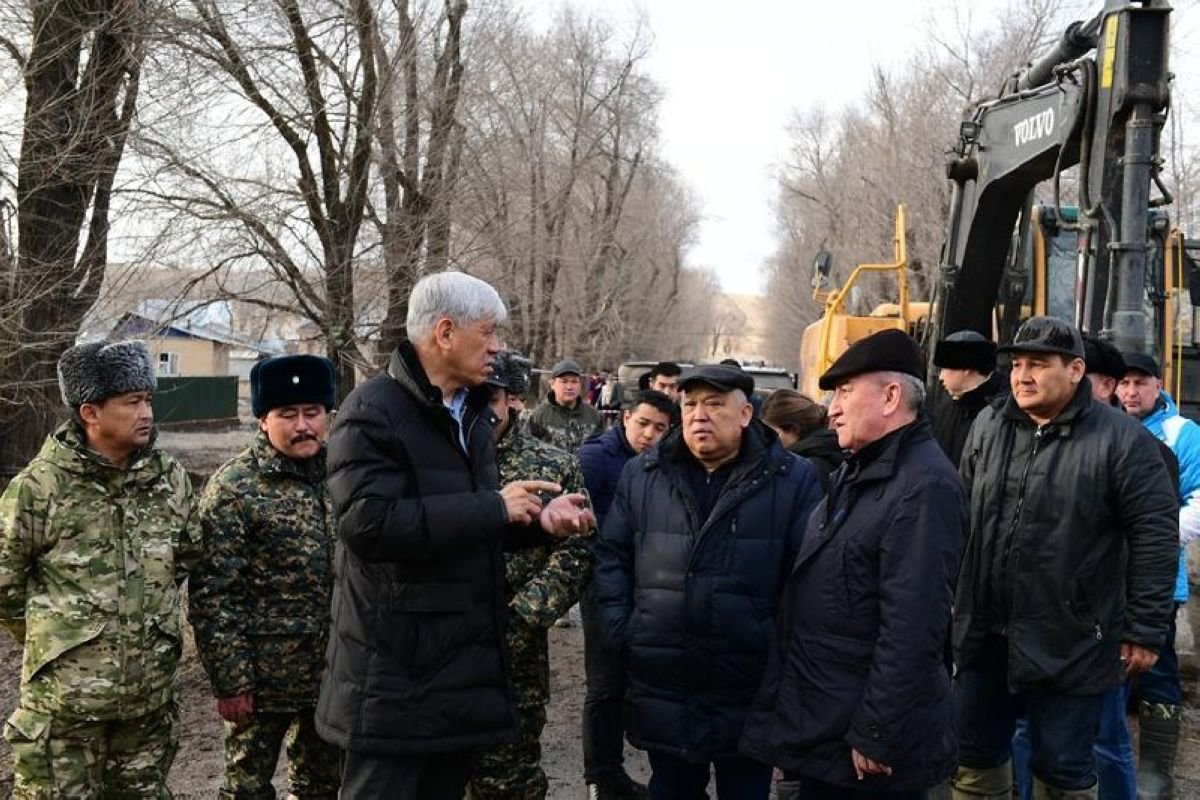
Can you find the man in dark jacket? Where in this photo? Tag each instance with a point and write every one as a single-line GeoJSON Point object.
{"type": "Point", "coordinates": [1067, 578]}
{"type": "Point", "coordinates": [603, 458]}
{"type": "Point", "coordinates": [416, 678]}
{"type": "Point", "coordinates": [966, 363]}
{"type": "Point", "coordinates": [856, 700]}
{"type": "Point", "coordinates": [690, 564]}
{"type": "Point", "coordinates": [564, 419]}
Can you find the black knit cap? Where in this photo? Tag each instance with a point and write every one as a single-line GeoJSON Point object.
{"type": "Point", "coordinates": [291, 381]}
{"type": "Point", "coordinates": [889, 350]}
{"type": "Point", "coordinates": [1103, 358]}
{"type": "Point", "coordinates": [966, 350]}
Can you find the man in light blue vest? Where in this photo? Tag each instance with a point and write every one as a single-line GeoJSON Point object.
{"type": "Point", "coordinates": [1141, 394]}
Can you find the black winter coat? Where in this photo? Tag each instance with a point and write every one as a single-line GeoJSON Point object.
{"type": "Point", "coordinates": [952, 419]}
{"type": "Point", "coordinates": [822, 449]}
{"type": "Point", "coordinates": [416, 661]}
{"type": "Point", "coordinates": [859, 658]}
{"type": "Point", "coordinates": [1074, 544]}
{"type": "Point", "coordinates": [692, 602]}
{"type": "Point", "coordinates": [602, 458]}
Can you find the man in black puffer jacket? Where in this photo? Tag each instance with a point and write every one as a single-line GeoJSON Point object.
{"type": "Point", "coordinates": [856, 701]}
{"type": "Point", "coordinates": [690, 564]}
{"type": "Point", "coordinates": [415, 679]}
{"type": "Point", "coordinates": [1067, 581]}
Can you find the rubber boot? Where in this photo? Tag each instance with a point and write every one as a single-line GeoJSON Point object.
{"type": "Point", "coordinates": [1158, 740]}
{"type": "Point", "coordinates": [992, 783]}
{"type": "Point", "coordinates": [1044, 791]}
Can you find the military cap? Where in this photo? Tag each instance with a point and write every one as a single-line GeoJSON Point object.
{"type": "Point", "coordinates": [1047, 335]}
{"type": "Point", "coordinates": [722, 377]}
{"type": "Point", "coordinates": [1103, 358]}
{"type": "Point", "coordinates": [290, 381]}
{"type": "Point", "coordinates": [966, 350]}
{"type": "Point", "coordinates": [95, 371]}
{"type": "Point", "coordinates": [1140, 362]}
{"type": "Point", "coordinates": [510, 371]}
{"type": "Point", "coordinates": [566, 367]}
{"type": "Point", "coordinates": [888, 350]}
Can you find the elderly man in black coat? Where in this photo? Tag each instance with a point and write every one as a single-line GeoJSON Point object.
{"type": "Point", "coordinates": [416, 679]}
{"type": "Point", "coordinates": [856, 700]}
{"type": "Point", "coordinates": [689, 567]}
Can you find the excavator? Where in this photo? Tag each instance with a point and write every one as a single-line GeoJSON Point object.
{"type": "Point", "coordinates": [1098, 100]}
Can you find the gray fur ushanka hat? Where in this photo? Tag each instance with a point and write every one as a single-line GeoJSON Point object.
{"type": "Point", "coordinates": [95, 371]}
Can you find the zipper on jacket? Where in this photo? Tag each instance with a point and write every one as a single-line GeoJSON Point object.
{"type": "Point", "coordinates": [1016, 522]}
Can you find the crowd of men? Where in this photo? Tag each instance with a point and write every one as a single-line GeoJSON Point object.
{"type": "Point", "coordinates": [882, 598]}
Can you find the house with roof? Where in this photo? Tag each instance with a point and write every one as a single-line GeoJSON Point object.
{"type": "Point", "coordinates": [189, 338]}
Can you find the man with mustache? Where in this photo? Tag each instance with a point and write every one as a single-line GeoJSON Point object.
{"type": "Point", "coordinates": [259, 600]}
{"type": "Point", "coordinates": [96, 533]}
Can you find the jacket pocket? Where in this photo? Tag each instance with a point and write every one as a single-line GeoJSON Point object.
{"type": "Point", "coordinates": [429, 624]}
{"type": "Point", "coordinates": [28, 734]}
{"type": "Point", "coordinates": [47, 640]}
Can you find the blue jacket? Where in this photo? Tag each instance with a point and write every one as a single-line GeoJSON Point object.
{"type": "Point", "coordinates": [1183, 437]}
{"type": "Point", "coordinates": [602, 459]}
{"type": "Point", "coordinates": [859, 658]}
{"type": "Point", "coordinates": [692, 602]}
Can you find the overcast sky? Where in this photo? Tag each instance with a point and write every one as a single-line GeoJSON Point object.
{"type": "Point", "coordinates": [733, 73]}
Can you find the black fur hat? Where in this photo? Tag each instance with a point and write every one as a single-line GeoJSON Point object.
{"type": "Point", "coordinates": [290, 381]}
{"type": "Point", "coordinates": [966, 350]}
{"type": "Point", "coordinates": [95, 371]}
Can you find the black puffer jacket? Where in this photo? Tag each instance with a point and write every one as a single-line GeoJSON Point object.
{"type": "Point", "coordinates": [415, 661]}
{"type": "Point", "coordinates": [1074, 543]}
{"type": "Point", "coordinates": [859, 658]}
{"type": "Point", "coordinates": [692, 602]}
{"type": "Point", "coordinates": [952, 419]}
{"type": "Point", "coordinates": [822, 449]}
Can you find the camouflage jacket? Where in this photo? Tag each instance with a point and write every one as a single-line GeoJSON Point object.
{"type": "Point", "coordinates": [543, 582]}
{"type": "Point", "coordinates": [90, 559]}
{"type": "Point", "coordinates": [565, 428]}
{"type": "Point", "coordinates": [259, 599]}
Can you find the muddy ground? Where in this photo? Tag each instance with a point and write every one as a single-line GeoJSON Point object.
{"type": "Point", "coordinates": [197, 770]}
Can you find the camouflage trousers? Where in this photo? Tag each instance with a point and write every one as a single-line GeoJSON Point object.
{"type": "Point", "coordinates": [514, 771]}
{"type": "Point", "coordinates": [252, 751]}
{"type": "Point", "coordinates": [115, 759]}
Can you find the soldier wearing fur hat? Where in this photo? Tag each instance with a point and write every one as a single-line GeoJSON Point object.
{"type": "Point", "coordinates": [96, 534]}
{"type": "Point", "coordinates": [260, 596]}
{"type": "Point", "coordinates": [966, 363]}
{"type": "Point", "coordinates": [541, 583]}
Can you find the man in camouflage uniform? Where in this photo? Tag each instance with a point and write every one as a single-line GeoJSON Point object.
{"type": "Point", "coordinates": [542, 583]}
{"type": "Point", "coordinates": [96, 534]}
{"type": "Point", "coordinates": [259, 599]}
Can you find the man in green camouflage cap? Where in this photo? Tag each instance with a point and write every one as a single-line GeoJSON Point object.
{"type": "Point", "coordinates": [542, 583]}
{"type": "Point", "coordinates": [259, 598]}
{"type": "Point", "coordinates": [96, 534]}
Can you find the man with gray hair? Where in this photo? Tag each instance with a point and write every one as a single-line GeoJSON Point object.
{"type": "Point", "coordinates": [416, 680]}
{"type": "Point", "coordinates": [856, 701]}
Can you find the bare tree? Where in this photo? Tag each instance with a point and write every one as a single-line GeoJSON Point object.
{"type": "Point", "coordinates": [81, 64]}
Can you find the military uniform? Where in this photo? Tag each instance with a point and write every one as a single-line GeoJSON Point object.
{"type": "Point", "coordinates": [259, 604]}
{"type": "Point", "coordinates": [565, 427]}
{"type": "Point", "coordinates": [90, 559]}
{"type": "Point", "coordinates": [542, 583]}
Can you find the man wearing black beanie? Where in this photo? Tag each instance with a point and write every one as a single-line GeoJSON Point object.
{"type": "Point", "coordinates": [966, 363]}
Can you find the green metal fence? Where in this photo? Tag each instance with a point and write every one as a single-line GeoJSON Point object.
{"type": "Point", "coordinates": [194, 399]}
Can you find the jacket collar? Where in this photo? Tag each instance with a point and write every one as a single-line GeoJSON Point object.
{"type": "Point", "coordinates": [992, 387]}
{"type": "Point", "coordinates": [877, 461]}
{"type": "Point", "coordinates": [405, 367]}
{"type": "Point", "coordinates": [67, 448]}
{"type": "Point", "coordinates": [272, 462]}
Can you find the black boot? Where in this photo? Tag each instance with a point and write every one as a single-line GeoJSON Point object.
{"type": "Point", "coordinates": [618, 787]}
{"type": "Point", "coordinates": [1159, 737]}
